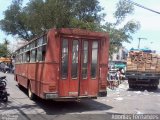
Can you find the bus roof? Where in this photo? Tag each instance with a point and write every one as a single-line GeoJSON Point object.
{"type": "Point", "coordinates": [71, 31]}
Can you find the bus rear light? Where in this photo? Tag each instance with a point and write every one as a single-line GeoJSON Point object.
{"type": "Point", "coordinates": [52, 88]}
{"type": "Point", "coordinates": [103, 86]}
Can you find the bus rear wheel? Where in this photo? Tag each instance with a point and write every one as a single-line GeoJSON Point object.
{"type": "Point", "coordinates": [30, 93]}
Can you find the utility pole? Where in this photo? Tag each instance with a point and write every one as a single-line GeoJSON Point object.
{"type": "Point", "coordinates": [140, 41]}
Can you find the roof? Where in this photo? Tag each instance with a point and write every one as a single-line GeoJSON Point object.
{"type": "Point", "coordinates": [143, 50]}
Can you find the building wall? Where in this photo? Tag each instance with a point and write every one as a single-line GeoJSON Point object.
{"type": "Point", "coordinates": [120, 55]}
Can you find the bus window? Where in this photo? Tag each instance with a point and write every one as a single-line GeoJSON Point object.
{"type": "Point", "coordinates": [43, 52]}
{"type": "Point", "coordinates": [17, 58]}
{"type": "Point", "coordinates": [24, 57]}
{"type": "Point", "coordinates": [39, 54]}
{"type": "Point", "coordinates": [24, 49]}
{"type": "Point", "coordinates": [64, 58]}
{"type": "Point", "coordinates": [21, 50]}
{"type": "Point", "coordinates": [32, 45]}
{"type": "Point", "coordinates": [27, 56]}
{"type": "Point", "coordinates": [94, 59]}
{"type": "Point", "coordinates": [27, 47]}
{"type": "Point", "coordinates": [44, 39]}
{"type": "Point", "coordinates": [21, 58]}
{"type": "Point", "coordinates": [40, 41]}
{"type": "Point", "coordinates": [75, 48]}
{"type": "Point", "coordinates": [33, 55]}
{"type": "Point", "coordinates": [85, 59]}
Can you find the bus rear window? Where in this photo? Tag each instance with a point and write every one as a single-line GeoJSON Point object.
{"type": "Point", "coordinates": [64, 58]}
{"type": "Point", "coordinates": [94, 59]}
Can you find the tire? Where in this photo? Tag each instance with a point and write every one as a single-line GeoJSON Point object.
{"type": "Point", "coordinates": [4, 83]}
{"type": "Point", "coordinates": [30, 93]}
{"type": "Point", "coordinates": [131, 86]}
{"type": "Point", "coordinates": [155, 87]}
{"type": "Point", "coordinates": [5, 99]}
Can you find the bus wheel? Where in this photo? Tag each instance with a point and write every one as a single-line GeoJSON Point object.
{"type": "Point", "coordinates": [30, 93]}
{"type": "Point", "coordinates": [155, 87]}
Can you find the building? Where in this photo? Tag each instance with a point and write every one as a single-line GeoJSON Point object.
{"type": "Point", "coordinates": [121, 55]}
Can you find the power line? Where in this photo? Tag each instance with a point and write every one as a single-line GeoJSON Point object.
{"type": "Point", "coordinates": [136, 4]}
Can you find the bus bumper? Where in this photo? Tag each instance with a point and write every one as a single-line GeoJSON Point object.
{"type": "Point", "coordinates": [102, 94]}
{"type": "Point", "coordinates": [55, 97]}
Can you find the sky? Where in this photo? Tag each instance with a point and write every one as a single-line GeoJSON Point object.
{"type": "Point", "coordinates": [150, 22]}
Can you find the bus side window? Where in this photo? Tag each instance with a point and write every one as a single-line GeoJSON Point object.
{"type": "Point", "coordinates": [43, 52]}
{"type": "Point", "coordinates": [21, 59]}
{"type": "Point", "coordinates": [39, 54]}
{"type": "Point", "coordinates": [33, 55]}
{"type": "Point", "coordinates": [24, 57]}
{"type": "Point", "coordinates": [44, 39]}
{"type": "Point", "coordinates": [40, 41]}
{"type": "Point", "coordinates": [28, 56]}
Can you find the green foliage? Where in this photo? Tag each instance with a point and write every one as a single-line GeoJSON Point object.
{"type": "Point", "coordinates": [4, 52]}
{"type": "Point", "coordinates": [124, 8]}
{"type": "Point", "coordinates": [118, 35]}
{"type": "Point", "coordinates": [40, 15]}
{"type": "Point", "coordinates": [14, 21]}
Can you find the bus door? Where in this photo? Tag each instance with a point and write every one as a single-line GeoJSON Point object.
{"type": "Point", "coordinates": [78, 68]}
{"type": "Point", "coordinates": [89, 68]}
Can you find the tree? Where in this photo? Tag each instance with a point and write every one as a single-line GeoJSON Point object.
{"type": "Point", "coordinates": [118, 35]}
{"type": "Point", "coordinates": [40, 15]}
{"type": "Point", "coordinates": [4, 52]}
{"type": "Point", "coordinates": [14, 21]}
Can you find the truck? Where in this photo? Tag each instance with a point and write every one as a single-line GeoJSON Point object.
{"type": "Point", "coordinates": [143, 69]}
{"type": "Point", "coordinates": [117, 64]}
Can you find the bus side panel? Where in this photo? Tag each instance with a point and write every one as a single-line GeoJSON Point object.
{"type": "Point", "coordinates": [104, 64]}
{"type": "Point", "coordinates": [49, 79]}
{"type": "Point", "coordinates": [32, 77]}
{"type": "Point", "coordinates": [53, 48]}
{"type": "Point", "coordinates": [104, 50]}
{"type": "Point", "coordinates": [21, 73]}
{"type": "Point", "coordinates": [93, 87]}
{"type": "Point", "coordinates": [39, 77]}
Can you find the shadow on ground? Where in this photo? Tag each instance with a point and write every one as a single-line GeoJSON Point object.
{"type": "Point", "coordinates": [149, 89]}
{"type": "Point", "coordinates": [55, 107]}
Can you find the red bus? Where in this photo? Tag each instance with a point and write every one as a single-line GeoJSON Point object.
{"type": "Point", "coordinates": [64, 64]}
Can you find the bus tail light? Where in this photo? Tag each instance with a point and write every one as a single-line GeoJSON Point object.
{"type": "Point", "coordinates": [103, 87]}
{"type": "Point", "coordinates": [52, 88]}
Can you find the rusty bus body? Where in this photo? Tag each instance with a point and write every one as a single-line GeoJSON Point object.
{"type": "Point", "coordinates": [64, 64]}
